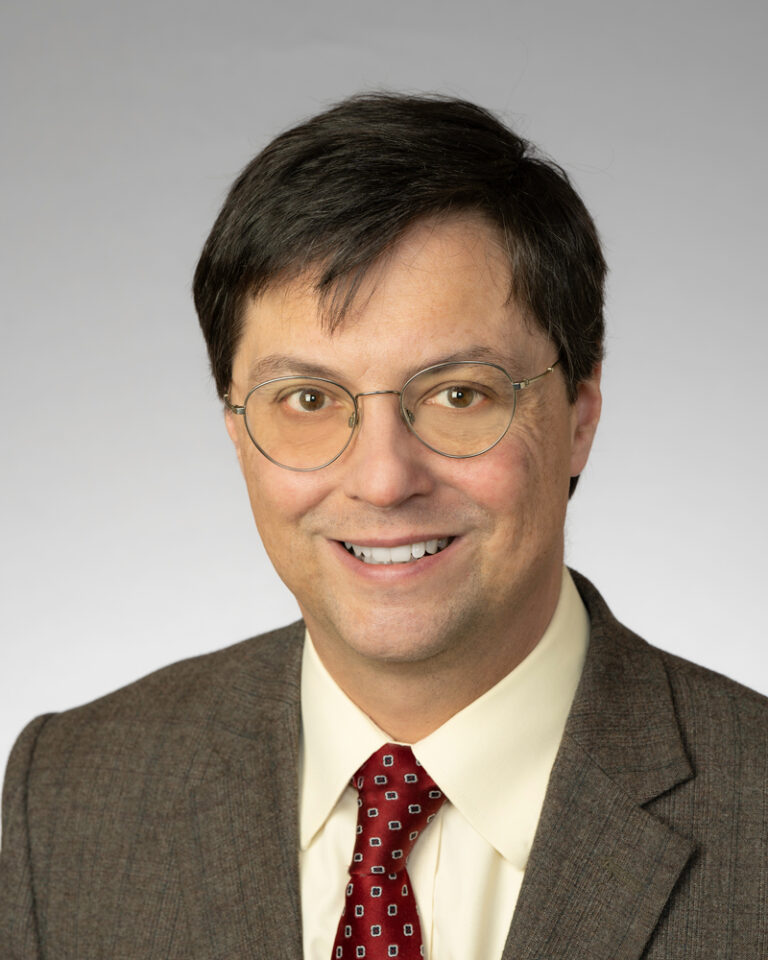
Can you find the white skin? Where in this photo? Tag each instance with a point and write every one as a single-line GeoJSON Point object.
{"type": "Point", "coordinates": [412, 644]}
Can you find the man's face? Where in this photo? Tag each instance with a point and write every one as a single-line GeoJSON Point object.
{"type": "Point", "coordinates": [443, 292]}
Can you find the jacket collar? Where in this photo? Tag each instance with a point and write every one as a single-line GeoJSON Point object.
{"type": "Point", "coordinates": [602, 867]}
{"type": "Point", "coordinates": [238, 839]}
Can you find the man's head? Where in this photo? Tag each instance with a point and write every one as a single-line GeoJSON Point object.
{"type": "Point", "coordinates": [384, 237]}
{"type": "Point", "coordinates": [334, 194]}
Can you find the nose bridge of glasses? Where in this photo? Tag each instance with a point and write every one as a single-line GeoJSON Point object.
{"type": "Point", "coordinates": [355, 417]}
{"type": "Point", "coordinates": [376, 393]}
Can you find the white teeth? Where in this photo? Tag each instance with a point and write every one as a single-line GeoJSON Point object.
{"type": "Point", "coordinates": [400, 554]}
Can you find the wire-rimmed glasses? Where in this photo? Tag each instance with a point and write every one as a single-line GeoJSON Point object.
{"type": "Point", "coordinates": [458, 409]}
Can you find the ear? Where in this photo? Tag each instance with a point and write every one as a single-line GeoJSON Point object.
{"type": "Point", "coordinates": [585, 416]}
{"type": "Point", "coordinates": [234, 429]}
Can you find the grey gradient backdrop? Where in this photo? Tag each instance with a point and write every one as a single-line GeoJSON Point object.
{"type": "Point", "coordinates": [126, 536]}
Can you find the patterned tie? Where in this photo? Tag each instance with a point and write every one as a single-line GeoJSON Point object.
{"type": "Point", "coordinates": [397, 799]}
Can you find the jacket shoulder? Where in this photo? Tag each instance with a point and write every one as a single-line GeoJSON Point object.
{"type": "Point", "coordinates": [93, 797]}
{"type": "Point", "coordinates": [719, 718]}
{"type": "Point", "coordinates": [186, 684]}
{"type": "Point", "coordinates": [700, 688]}
{"type": "Point", "coordinates": [721, 725]}
{"type": "Point", "coordinates": [167, 707]}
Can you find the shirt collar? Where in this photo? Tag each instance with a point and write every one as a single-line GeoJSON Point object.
{"type": "Point", "coordinates": [509, 735]}
{"type": "Point", "coordinates": [337, 738]}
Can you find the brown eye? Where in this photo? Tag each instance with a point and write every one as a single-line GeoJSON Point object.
{"type": "Point", "coordinates": [306, 400]}
{"type": "Point", "coordinates": [311, 400]}
{"type": "Point", "coordinates": [461, 396]}
{"type": "Point", "coordinates": [457, 397]}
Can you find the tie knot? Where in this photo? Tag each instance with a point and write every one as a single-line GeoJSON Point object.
{"type": "Point", "coordinates": [397, 799]}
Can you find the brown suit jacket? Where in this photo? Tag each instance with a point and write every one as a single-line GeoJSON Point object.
{"type": "Point", "coordinates": [162, 820]}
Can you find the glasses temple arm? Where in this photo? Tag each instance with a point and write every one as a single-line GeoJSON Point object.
{"type": "Point", "coordinates": [233, 407]}
{"type": "Point", "coordinates": [522, 384]}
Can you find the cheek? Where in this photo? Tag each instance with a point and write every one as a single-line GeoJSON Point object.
{"type": "Point", "coordinates": [524, 481]}
{"type": "Point", "coordinates": [279, 498]}
{"type": "Point", "coordinates": [497, 486]}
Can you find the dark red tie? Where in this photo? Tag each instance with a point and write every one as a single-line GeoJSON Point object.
{"type": "Point", "coordinates": [397, 799]}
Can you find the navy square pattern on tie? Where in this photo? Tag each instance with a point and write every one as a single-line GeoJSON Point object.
{"type": "Point", "coordinates": [396, 800]}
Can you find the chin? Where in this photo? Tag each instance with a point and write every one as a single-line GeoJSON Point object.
{"type": "Point", "coordinates": [393, 650]}
{"type": "Point", "coordinates": [402, 635]}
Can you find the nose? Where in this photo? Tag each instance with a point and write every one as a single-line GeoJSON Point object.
{"type": "Point", "coordinates": [385, 465]}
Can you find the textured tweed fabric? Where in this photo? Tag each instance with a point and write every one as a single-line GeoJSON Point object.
{"type": "Point", "coordinates": [162, 820]}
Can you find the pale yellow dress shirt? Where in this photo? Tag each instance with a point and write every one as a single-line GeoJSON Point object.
{"type": "Point", "coordinates": [492, 760]}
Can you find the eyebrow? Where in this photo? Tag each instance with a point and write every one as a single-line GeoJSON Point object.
{"type": "Point", "coordinates": [278, 365]}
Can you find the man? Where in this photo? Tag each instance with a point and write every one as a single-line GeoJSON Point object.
{"type": "Point", "coordinates": [459, 752]}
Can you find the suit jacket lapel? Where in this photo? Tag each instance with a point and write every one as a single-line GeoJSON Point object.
{"type": "Point", "coordinates": [238, 840]}
{"type": "Point", "coordinates": [602, 868]}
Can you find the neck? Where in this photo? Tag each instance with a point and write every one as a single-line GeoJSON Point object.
{"type": "Point", "coordinates": [409, 699]}
{"type": "Point", "coordinates": [408, 705]}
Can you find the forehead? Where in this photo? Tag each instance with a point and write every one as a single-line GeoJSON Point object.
{"type": "Point", "coordinates": [443, 290]}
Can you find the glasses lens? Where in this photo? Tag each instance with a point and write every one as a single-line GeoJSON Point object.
{"type": "Point", "coordinates": [300, 423]}
{"type": "Point", "coordinates": [460, 409]}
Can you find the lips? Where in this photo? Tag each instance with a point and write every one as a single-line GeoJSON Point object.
{"type": "Point", "coordinates": [403, 553]}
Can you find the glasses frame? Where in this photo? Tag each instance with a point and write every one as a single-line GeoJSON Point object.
{"type": "Point", "coordinates": [407, 417]}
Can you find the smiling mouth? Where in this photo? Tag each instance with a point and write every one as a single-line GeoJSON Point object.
{"type": "Point", "coordinates": [404, 553]}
